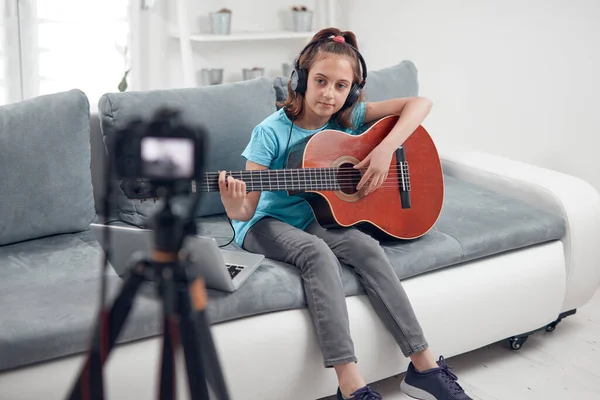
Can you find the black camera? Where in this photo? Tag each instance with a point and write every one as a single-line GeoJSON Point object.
{"type": "Point", "coordinates": [162, 152]}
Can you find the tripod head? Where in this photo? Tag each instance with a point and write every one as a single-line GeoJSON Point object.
{"type": "Point", "coordinates": [170, 231]}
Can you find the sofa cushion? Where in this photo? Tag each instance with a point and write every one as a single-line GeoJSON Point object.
{"type": "Point", "coordinates": [45, 180]}
{"type": "Point", "coordinates": [49, 290]}
{"type": "Point", "coordinates": [475, 222]}
{"type": "Point", "coordinates": [229, 112]}
{"type": "Point", "coordinates": [48, 287]}
{"type": "Point", "coordinates": [400, 80]}
{"type": "Point", "coordinates": [485, 222]}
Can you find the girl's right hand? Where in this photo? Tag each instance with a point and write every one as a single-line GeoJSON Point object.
{"type": "Point", "coordinates": [233, 193]}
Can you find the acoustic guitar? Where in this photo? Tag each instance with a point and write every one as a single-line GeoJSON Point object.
{"type": "Point", "coordinates": [320, 169]}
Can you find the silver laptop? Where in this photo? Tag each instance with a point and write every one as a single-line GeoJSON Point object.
{"type": "Point", "coordinates": [222, 269]}
{"type": "Point", "coordinates": [125, 241]}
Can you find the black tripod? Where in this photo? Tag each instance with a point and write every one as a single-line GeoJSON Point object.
{"type": "Point", "coordinates": [184, 302]}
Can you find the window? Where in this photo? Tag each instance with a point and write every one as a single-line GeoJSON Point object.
{"type": "Point", "coordinates": [3, 96]}
{"type": "Point", "coordinates": [10, 77]}
{"type": "Point", "coordinates": [67, 44]}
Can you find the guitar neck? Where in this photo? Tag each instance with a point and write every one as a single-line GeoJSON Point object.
{"type": "Point", "coordinates": [275, 180]}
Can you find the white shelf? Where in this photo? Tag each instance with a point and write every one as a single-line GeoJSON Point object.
{"type": "Point", "coordinates": [182, 31]}
{"type": "Point", "coordinates": [247, 36]}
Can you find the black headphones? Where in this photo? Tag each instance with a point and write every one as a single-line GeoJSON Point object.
{"type": "Point", "coordinates": [299, 77]}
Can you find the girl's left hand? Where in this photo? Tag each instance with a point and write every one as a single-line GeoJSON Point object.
{"type": "Point", "coordinates": [378, 165]}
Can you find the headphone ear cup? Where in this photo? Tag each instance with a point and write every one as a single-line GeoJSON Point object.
{"type": "Point", "coordinates": [353, 96]}
{"type": "Point", "coordinates": [298, 81]}
{"type": "Point", "coordinates": [294, 80]}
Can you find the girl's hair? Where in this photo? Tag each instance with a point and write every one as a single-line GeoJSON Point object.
{"type": "Point", "coordinates": [294, 104]}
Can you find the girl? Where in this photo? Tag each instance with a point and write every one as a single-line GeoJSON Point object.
{"type": "Point", "coordinates": [325, 93]}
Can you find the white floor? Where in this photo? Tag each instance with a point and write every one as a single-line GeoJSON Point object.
{"type": "Point", "coordinates": [561, 365]}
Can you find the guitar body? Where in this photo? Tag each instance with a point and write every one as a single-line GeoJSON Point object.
{"type": "Point", "coordinates": [381, 212]}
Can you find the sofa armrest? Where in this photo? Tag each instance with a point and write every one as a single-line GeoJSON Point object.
{"type": "Point", "coordinates": [567, 196]}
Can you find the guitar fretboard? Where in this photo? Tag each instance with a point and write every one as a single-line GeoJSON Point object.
{"type": "Point", "coordinates": [332, 178]}
{"type": "Point", "coordinates": [275, 180]}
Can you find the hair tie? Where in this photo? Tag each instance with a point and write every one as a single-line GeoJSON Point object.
{"type": "Point", "coordinates": [339, 39]}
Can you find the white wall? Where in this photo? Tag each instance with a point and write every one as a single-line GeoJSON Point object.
{"type": "Point", "coordinates": [519, 79]}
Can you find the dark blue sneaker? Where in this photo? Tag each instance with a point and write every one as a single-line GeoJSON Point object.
{"type": "Point", "coordinates": [434, 384]}
{"type": "Point", "coordinates": [364, 393]}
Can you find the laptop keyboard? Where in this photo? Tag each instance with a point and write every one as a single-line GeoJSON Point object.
{"type": "Point", "coordinates": [234, 269]}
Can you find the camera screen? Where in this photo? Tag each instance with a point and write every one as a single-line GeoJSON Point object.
{"type": "Point", "coordinates": [167, 158]}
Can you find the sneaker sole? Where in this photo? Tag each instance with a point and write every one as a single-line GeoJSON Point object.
{"type": "Point", "coordinates": [415, 392]}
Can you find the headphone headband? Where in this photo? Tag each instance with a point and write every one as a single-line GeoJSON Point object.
{"type": "Point", "coordinates": [360, 57]}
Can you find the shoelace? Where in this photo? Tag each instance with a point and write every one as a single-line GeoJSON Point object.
{"type": "Point", "coordinates": [449, 377]}
{"type": "Point", "coordinates": [366, 393]}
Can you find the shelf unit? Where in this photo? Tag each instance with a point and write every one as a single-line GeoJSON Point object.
{"type": "Point", "coordinates": [246, 36]}
{"type": "Point", "coordinates": [182, 32]}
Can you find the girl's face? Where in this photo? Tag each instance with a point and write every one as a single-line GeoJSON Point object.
{"type": "Point", "coordinates": [329, 82]}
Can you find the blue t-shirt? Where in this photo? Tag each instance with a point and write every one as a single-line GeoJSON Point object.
{"type": "Point", "coordinates": [267, 147]}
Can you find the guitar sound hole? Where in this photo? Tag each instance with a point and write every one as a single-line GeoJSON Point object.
{"type": "Point", "coordinates": [348, 178]}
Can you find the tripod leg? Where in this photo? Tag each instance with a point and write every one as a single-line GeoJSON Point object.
{"type": "Point", "coordinates": [170, 337]}
{"type": "Point", "coordinates": [112, 321]}
{"type": "Point", "coordinates": [212, 365]}
{"type": "Point", "coordinates": [193, 356]}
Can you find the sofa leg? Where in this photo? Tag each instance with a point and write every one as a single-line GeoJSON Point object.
{"type": "Point", "coordinates": [552, 326]}
{"type": "Point", "coordinates": [516, 342]}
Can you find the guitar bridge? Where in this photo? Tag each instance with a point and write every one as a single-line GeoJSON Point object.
{"type": "Point", "coordinates": [403, 177]}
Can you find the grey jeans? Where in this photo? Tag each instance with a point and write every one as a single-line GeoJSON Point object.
{"type": "Point", "coordinates": [317, 252]}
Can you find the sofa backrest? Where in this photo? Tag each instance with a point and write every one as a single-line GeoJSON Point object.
{"type": "Point", "coordinates": [98, 164]}
{"type": "Point", "coordinates": [229, 112]}
{"type": "Point", "coordinates": [45, 180]}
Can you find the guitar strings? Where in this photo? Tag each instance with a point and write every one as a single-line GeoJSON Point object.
{"type": "Point", "coordinates": [339, 178]}
{"type": "Point", "coordinates": [322, 186]}
{"type": "Point", "coordinates": [346, 179]}
{"type": "Point", "coordinates": [307, 181]}
{"type": "Point", "coordinates": [383, 188]}
{"type": "Point", "coordinates": [331, 178]}
{"type": "Point", "coordinates": [308, 174]}
{"type": "Point", "coordinates": [298, 170]}
{"type": "Point", "coordinates": [291, 169]}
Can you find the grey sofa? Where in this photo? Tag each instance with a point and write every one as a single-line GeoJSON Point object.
{"type": "Point", "coordinates": [510, 253]}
